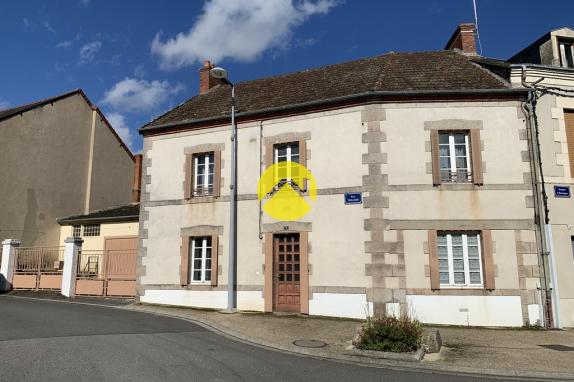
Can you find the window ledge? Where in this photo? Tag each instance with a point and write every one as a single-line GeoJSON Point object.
{"type": "Point", "coordinates": [462, 287]}
{"type": "Point", "coordinates": [202, 199]}
{"type": "Point", "coordinates": [467, 186]}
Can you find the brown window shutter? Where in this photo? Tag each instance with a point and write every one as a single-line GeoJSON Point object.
{"type": "Point", "coordinates": [217, 173]}
{"type": "Point", "coordinates": [433, 260]}
{"type": "Point", "coordinates": [188, 185]}
{"type": "Point", "coordinates": [303, 158]}
{"type": "Point", "coordinates": [435, 158]}
{"type": "Point", "coordinates": [214, 258]}
{"type": "Point", "coordinates": [487, 260]}
{"type": "Point", "coordinates": [476, 157]}
{"type": "Point", "coordinates": [569, 123]}
{"type": "Point", "coordinates": [184, 267]}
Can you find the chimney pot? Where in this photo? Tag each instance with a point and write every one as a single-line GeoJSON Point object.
{"type": "Point", "coordinates": [463, 39]}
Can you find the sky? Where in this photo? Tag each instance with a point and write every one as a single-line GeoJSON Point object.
{"type": "Point", "coordinates": [138, 59]}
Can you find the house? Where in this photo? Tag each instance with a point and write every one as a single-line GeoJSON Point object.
{"type": "Point", "coordinates": [547, 67]}
{"type": "Point", "coordinates": [427, 149]}
{"type": "Point", "coordinates": [58, 157]}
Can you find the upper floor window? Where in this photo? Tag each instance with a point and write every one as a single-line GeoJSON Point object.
{"type": "Point", "coordinates": [566, 48]}
{"type": "Point", "coordinates": [454, 156]}
{"type": "Point", "coordinates": [77, 231]}
{"type": "Point", "coordinates": [204, 170]}
{"type": "Point", "coordinates": [283, 153]}
{"type": "Point", "coordinates": [459, 258]}
{"type": "Point", "coordinates": [201, 254]}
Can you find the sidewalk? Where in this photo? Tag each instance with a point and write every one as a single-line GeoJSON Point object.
{"type": "Point", "coordinates": [504, 352]}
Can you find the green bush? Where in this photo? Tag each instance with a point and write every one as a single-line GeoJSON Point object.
{"type": "Point", "coordinates": [390, 334]}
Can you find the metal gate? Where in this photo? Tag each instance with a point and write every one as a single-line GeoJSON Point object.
{"type": "Point", "coordinates": [108, 273]}
{"type": "Point", "coordinates": [38, 268]}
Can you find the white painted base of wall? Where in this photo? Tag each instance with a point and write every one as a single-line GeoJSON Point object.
{"type": "Point", "coordinates": [393, 309]}
{"type": "Point", "coordinates": [534, 314]}
{"type": "Point", "coordinates": [250, 300]}
{"type": "Point", "coordinates": [340, 305]}
{"type": "Point", "coordinates": [192, 298]}
{"type": "Point", "coordinates": [466, 310]}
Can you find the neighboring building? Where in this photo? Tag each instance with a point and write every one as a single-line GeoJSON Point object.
{"type": "Point", "coordinates": [436, 145]}
{"type": "Point", "coordinates": [101, 229]}
{"type": "Point", "coordinates": [58, 157]}
{"type": "Point", "coordinates": [548, 64]}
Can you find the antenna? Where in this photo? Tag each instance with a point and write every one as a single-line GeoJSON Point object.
{"type": "Point", "coordinates": [476, 24]}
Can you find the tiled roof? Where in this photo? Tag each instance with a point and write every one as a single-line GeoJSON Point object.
{"type": "Point", "coordinates": [392, 72]}
{"type": "Point", "coordinates": [122, 213]}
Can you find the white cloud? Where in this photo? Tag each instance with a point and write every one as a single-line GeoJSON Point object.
{"type": "Point", "coordinates": [4, 104]}
{"type": "Point", "coordinates": [49, 27]}
{"type": "Point", "coordinates": [139, 71]}
{"type": "Point", "coordinates": [85, 3]}
{"type": "Point", "coordinates": [131, 94]}
{"type": "Point", "coordinates": [27, 23]}
{"type": "Point", "coordinates": [64, 44]}
{"type": "Point", "coordinates": [88, 51]}
{"type": "Point", "coordinates": [118, 122]}
{"type": "Point", "coordinates": [237, 29]}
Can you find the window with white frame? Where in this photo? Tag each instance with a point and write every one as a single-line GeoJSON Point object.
{"type": "Point", "coordinates": [454, 156]}
{"type": "Point", "coordinates": [77, 231]}
{"type": "Point", "coordinates": [201, 259]}
{"type": "Point", "coordinates": [92, 230]}
{"type": "Point", "coordinates": [283, 153]}
{"type": "Point", "coordinates": [459, 257]}
{"type": "Point", "coordinates": [204, 169]}
{"type": "Point", "coordinates": [566, 48]}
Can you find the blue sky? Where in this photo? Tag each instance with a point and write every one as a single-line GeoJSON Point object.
{"type": "Point", "coordinates": [137, 59]}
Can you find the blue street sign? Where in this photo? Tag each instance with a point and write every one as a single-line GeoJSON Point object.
{"type": "Point", "coordinates": [562, 191]}
{"type": "Point", "coordinates": [353, 197]}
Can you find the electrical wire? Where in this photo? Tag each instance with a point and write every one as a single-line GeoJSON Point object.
{"type": "Point", "coordinates": [476, 25]}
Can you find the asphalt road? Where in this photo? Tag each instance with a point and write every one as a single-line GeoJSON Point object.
{"type": "Point", "coordinates": [53, 341]}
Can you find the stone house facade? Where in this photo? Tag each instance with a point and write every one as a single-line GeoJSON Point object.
{"type": "Point", "coordinates": [435, 145]}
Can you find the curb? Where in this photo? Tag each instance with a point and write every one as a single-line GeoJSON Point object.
{"type": "Point", "coordinates": [333, 356]}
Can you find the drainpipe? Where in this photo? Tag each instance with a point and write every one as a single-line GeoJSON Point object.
{"type": "Point", "coordinates": [90, 163]}
{"type": "Point", "coordinates": [543, 229]}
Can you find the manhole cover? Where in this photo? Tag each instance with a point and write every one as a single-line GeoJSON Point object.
{"type": "Point", "coordinates": [310, 343]}
{"type": "Point", "coordinates": [558, 347]}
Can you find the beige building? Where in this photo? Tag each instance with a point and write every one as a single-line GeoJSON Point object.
{"type": "Point", "coordinates": [424, 194]}
{"type": "Point", "coordinates": [58, 157]}
{"type": "Point", "coordinates": [547, 66]}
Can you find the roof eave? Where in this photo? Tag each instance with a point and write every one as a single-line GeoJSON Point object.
{"type": "Point", "coordinates": [113, 219]}
{"type": "Point", "coordinates": [358, 96]}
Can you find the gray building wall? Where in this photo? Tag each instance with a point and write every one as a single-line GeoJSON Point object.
{"type": "Point", "coordinates": [43, 169]}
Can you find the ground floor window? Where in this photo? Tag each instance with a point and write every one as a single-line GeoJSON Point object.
{"type": "Point", "coordinates": [459, 256]}
{"type": "Point", "coordinates": [201, 259]}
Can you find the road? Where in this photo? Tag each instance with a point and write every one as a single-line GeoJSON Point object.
{"type": "Point", "coordinates": [54, 341]}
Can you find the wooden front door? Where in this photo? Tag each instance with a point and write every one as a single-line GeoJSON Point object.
{"type": "Point", "coordinates": [286, 273]}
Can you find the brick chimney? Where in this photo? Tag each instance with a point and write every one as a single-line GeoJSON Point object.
{"type": "Point", "coordinates": [137, 185]}
{"type": "Point", "coordinates": [463, 39]}
{"type": "Point", "coordinates": [206, 82]}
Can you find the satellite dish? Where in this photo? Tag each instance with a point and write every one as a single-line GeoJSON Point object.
{"type": "Point", "coordinates": [218, 73]}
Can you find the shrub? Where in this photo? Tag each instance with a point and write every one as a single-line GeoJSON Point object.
{"type": "Point", "coordinates": [390, 334]}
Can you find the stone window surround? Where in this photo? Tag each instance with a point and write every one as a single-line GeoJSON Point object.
{"type": "Point", "coordinates": [202, 230]}
{"type": "Point", "coordinates": [476, 147]}
{"type": "Point", "coordinates": [189, 153]}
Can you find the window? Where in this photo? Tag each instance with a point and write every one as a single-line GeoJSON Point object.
{"type": "Point", "coordinates": [204, 170]}
{"type": "Point", "coordinates": [92, 230]}
{"type": "Point", "coordinates": [454, 156]}
{"type": "Point", "coordinates": [201, 251]}
{"type": "Point", "coordinates": [77, 231]}
{"type": "Point", "coordinates": [283, 153]}
{"type": "Point", "coordinates": [459, 259]}
{"type": "Point", "coordinates": [566, 53]}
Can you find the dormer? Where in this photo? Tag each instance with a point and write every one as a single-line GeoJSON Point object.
{"type": "Point", "coordinates": [555, 48]}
